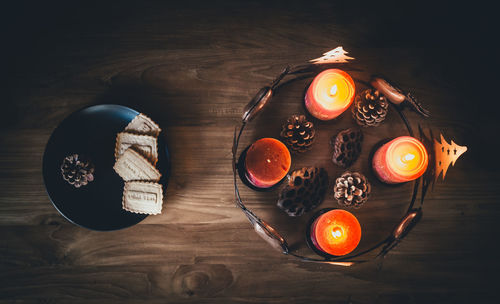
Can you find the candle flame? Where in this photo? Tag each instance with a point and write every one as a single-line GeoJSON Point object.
{"type": "Point", "coordinates": [408, 157]}
{"type": "Point", "coordinates": [336, 233]}
{"type": "Point", "coordinates": [333, 90]}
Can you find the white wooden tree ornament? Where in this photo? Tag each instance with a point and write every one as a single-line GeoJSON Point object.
{"type": "Point", "coordinates": [337, 55]}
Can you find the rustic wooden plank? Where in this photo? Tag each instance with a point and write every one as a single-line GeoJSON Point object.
{"type": "Point", "coordinates": [70, 261]}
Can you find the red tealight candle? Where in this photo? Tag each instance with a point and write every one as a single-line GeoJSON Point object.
{"type": "Point", "coordinates": [330, 94]}
{"type": "Point", "coordinates": [336, 232]}
{"type": "Point", "coordinates": [400, 160]}
{"type": "Point", "coordinates": [267, 162]}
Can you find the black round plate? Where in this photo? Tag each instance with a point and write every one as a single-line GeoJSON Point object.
{"type": "Point", "coordinates": [92, 132]}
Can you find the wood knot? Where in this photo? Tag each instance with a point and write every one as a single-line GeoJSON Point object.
{"type": "Point", "coordinates": [194, 282]}
{"type": "Point", "coordinates": [201, 279]}
{"type": "Point", "coordinates": [52, 220]}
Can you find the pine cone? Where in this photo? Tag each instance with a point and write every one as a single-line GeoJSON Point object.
{"type": "Point", "coordinates": [298, 133]}
{"type": "Point", "coordinates": [370, 108]}
{"type": "Point", "coordinates": [77, 171]}
{"type": "Point", "coordinates": [346, 147]}
{"type": "Point", "coordinates": [352, 189]}
{"type": "Point", "coordinates": [305, 190]}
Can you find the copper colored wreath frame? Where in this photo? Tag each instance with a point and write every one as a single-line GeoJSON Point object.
{"type": "Point", "coordinates": [439, 154]}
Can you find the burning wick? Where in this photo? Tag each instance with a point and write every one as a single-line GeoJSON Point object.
{"type": "Point", "coordinates": [337, 232]}
{"type": "Point", "coordinates": [408, 157]}
{"type": "Point", "coordinates": [333, 90]}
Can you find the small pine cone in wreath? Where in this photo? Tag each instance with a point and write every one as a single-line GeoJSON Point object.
{"type": "Point", "coordinates": [346, 147]}
{"type": "Point", "coordinates": [305, 190]}
{"type": "Point", "coordinates": [77, 171]}
{"type": "Point", "coordinates": [370, 108]}
{"type": "Point", "coordinates": [298, 133]}
{"type": "Point", "coordinates": [352, 189]}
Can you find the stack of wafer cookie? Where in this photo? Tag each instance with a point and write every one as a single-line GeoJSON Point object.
{"type": "Point", "coordinates": [136, 154]}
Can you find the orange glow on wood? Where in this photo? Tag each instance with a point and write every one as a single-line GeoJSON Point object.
{"type": "Point", "coordinates": [330, 94]}
{"type": "Point", "coordinates": [267, 162]}
{"type": "Point", "coordinates": [400, 160]}
{"type": "Point", "coordinates": [336, 232]}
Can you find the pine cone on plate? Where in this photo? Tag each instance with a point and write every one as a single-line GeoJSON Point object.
{"type": "Point", "coordinates": [370, 108]}
{"type": "Point", "coordinates": [77, 171]}
{"type": "Point", "coordinates": [298, 133]}
{"type": "Point", "coordinates": [346, 147]}
{"type": "Point", "coordinates": [352, 189]}
{"type": "Point", "coordinates": [305, 190]}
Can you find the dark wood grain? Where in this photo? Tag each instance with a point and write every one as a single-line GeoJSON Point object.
{"type": "Point", "coordinates": [192, 66]}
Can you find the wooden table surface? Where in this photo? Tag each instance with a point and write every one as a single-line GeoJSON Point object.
{"type": "Point", "coordinates": [193, 66]}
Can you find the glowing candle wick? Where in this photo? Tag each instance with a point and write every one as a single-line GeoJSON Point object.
{"type": "Point", "coordinates": [408, 157]}
{"type": "Point", "coordinates": [336, 233]}
{"type": "Point", "coordinates": [333, 90]}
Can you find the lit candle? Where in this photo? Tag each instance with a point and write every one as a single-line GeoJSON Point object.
{"type": "Point", "coordinates": [330, 94]}
{"type": "Point", "coordinates": [267, 162]}
{"type": "Point", "coordinates": [400, 160]}
{"type": "Point", "coordinates": [336, 232]}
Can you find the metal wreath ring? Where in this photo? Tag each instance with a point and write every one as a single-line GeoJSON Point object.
{"type": "Point", "coordinates": [398, 100]}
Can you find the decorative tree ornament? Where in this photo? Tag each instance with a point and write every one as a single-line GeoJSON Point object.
{"type": "Point", "coordinates": [337, 55]}
{"type": "Point", "coordinates": [446, 154]}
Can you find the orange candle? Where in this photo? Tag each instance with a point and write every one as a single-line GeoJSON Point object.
{"type": "Point", "coordinates": [336, 232]}
{"type": "Point", "coordinates": [267, 162]}
{"type": "Point", "coordinates": [330, 94]}
{"type": "Point", "coordinates": [400, 160]}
